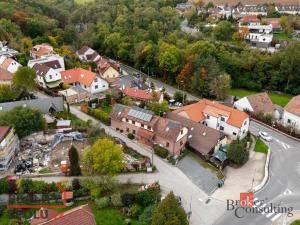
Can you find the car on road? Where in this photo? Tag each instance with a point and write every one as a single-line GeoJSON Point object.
{"type": "Point", "coordinates": [265, 136]}
{"type": "Point", "coordinates": [119, 141]}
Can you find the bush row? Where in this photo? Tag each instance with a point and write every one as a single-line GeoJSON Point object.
{"type": "Point", "coordinates": [100, 115]}
{"type": "Point", "coordinates": [160, 151]}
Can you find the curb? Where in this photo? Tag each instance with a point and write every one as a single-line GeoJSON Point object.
{"type": "Point", "coordinates": [274, 129]}
{"type": "Point", "coordinates": [266, 177]}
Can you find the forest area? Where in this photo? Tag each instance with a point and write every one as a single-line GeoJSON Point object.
{"type": "Point", "coordinates": [147, 35]}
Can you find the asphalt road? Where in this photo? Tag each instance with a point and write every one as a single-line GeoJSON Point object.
{"type": "Point", "coordinates": [283, 184]}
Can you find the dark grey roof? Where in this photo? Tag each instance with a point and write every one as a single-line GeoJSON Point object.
{"type": "Point", "coordinates": [44, 105]}
{"type": "Point", "coordinates": [83, 50]}
{"type": "Point", "coordinates": [200, 137]}
{"type": "Point", "coordinates": [54, 64]}
{"type": "Point", "coordinates": [41, 69]}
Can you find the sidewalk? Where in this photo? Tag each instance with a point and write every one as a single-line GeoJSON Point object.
{"type": "Point", "coordinates": [242, 179]}
{"type": "Point", "coordinates": [285, 220]}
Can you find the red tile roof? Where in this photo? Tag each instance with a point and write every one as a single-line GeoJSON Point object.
{"type": "Point", "coordinates": [3, 132]}
{"type": "Point", "coordinates": [248, 19]}
{"type": "Point", "coordinates": [261, 103]}
{"type": "Point", "coordinates": [197, 110]}
{"type": "Point", "coordinates": [275, 24]}
{"type": "Point", "coordinates": [104, 64]}
{"type": "Point", "coordinates": [80, 75]}
{"type": "Point", "coordinates": [6, 63]}
{"type": "Point", "coordinates": [42, 49]}
{"type": "Point", "coordinates": [5, 75]}
{"type": "Point", "coordinates": [294, 106]}
{"type": "Point", "coordinates": [81, 215]}
{"type": "Point", "coordinates": [138, 94]}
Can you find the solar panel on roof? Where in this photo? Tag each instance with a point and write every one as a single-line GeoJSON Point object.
{"type": "Point", "coordinates": [141, 114]}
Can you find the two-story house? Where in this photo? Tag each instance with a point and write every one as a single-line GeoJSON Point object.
{"type": "Point", "coordinates": [87, 54]}
{"type": "Point", "coordinates": [9, 145]}
{"type": "Point", "coordinates": [55, 62]}
{"type": "Point", "coordinates": [85, 79]}
{"type": "Point", "coordinates": [9, 64]}
{"type": "Point", "coordinates": [149, 128]}
{"type": "Point", "coordinates": [230, 121]}
{"type": "Point", "coordinates": [108, 71]}
{"type": "Point", "coordinates": [288, 9]}
{"type": "Point", "coordinates": [47, 77]}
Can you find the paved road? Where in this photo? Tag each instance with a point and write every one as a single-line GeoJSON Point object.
{"type": "Point", "coordinates": [283, 185]}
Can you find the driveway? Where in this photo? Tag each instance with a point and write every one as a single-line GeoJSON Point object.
{"type": "Point", "coordinates": [200, 176]}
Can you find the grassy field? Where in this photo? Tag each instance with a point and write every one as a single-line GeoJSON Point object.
{"type": "Point", "coordinates": [83, 1]}
{"type": "Point", "coordinates": [278, 99]}
{"type": "Point", "coordinates": [260, 146]}
{"type": "Point", "coordinates": [296, 222]}
{"type": "Point", "coordinates": [281, 36]}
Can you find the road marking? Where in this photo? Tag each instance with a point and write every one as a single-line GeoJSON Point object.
{"type": "Point", "coordinates": [201, 200]}
{"type": "Point", "coordinates": [287, 192]}
{"type": "Point", "coordinates": [262, 206]}
{"type": "Point", "coordinates": [270, 214]}
{"type": "Point", "coordinates": [254, 206]}
{"type": "Point", "coordinates": [276, 217]}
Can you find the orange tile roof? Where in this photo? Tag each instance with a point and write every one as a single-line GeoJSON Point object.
{"type": "Point", "coordinates": [249, 18]}
{"type": "Point", "coordinates": [197, 110]}
{"type": "Point", "coordinates": [5, 75]}
{"type": "Point", "coordinates": [294, 106]}
{"type": "Point", "coordinates": [5, 64]}
{"type": "Point", "coordinates": [42, 49]}
{"type": "Point", "coordinates": [80, 75]}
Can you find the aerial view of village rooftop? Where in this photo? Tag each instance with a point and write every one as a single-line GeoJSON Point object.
{"type": "Point", "coordinates": [158, 112]}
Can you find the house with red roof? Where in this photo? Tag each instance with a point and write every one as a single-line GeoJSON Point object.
{"type": "Point", "coordinates": [87, 80]}
{"type": "Point", "coordinates": [291, 114]}
{"type": "Point", "coordinates": [230, 121]}
{"type": "Point", "coordinates": [9, 64]}
{"type": "Point", "coordinates": [108, 71]}
{"type": "Point", "coordinates": [41, 50]}
{"type": "Point", "coordinates": [5, 77]}
{"type": "Point", "coordinates": [142, 95]}
{"type": "Point", "coordinates": [81, 215]}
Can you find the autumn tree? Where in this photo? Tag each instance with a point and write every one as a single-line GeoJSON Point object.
{"type": "Point", "coordinates": [185, 72]}
{"type": "Point", "coordinates": [219, 86]}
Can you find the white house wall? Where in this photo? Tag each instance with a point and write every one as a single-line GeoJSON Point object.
{"type": "Point", "coordinates": [295, 120]}
{"type": "Point", "coordinates": [243, 104]}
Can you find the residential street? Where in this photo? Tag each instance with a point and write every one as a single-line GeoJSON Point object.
{"type": "Point", "coordinates": [283, 184]}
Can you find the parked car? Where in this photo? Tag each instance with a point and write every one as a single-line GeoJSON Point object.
{"type": "Point", "coordinates": [120, 141]}
{"type": "Point", "coordinates": [265, 136]}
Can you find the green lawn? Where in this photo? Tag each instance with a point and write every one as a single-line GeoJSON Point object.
{"type": "Point", "coordinates": [260, 146]}
{"type": "Point", "coordinates": [281, 36]}
{"type": "Point", "coordinates": [83, 1]}
{"type": "Point", "coordinates": [296, 222]}
{"type": "Point", "coordinates": [278, 99]}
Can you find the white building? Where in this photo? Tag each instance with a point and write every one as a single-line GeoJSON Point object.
{"type": "Point", "coordinates": [256, 103]}
{"type": "Point", "coordinates": [85, 79]}
{"type": "Point", "coordinates": [55, 62]}
{"type": "Point", "coordinates": [254, 10]}
{"type": "Point", "coordinates": [9, 64]}
{"type": "Point", "coordinates": [6, 51]}
{"type": "Point", "coordinates": [288, 9]}
{"type": "Point", "coordinates": [291, 114]}
{"type": "Point", "coordinates": [87, 54]}
{"type": "Point", "coordinates": [41, 50]}
{"type": "Point", "coordinates": [230, 121]}
{"type": "Point", "coordinates": [46, 76]}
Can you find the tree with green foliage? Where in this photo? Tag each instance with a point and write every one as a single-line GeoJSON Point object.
{"type": "Point", "coordinates": [237, 152]}
{"type": "Point", "coordinates": [179, 96]}
{"type": "Point", "coordinates": [24, 120]}
{"type": "Point", "coordinates": [7, 93]}
{"type": "Point", "coordinates": [74, 162]}
{"type": "Point", "coordinates": [4, 186]}
{"type": "Point", "coordinates": [146, 217]}
{"type": "Point", "coordinates": [24, 80]}
{"type": "Point", "coordinates": [169, 212]}
{"type": "Point", "coordinates": [223, 31]}
{"type": "Point", "coordinates": [219, 86]}
{"type": "Point", "coordinates": [104, 157]}
{"type": "Point", "coordinates": [158, 108]}
{"type": "Point", "coordinates": [126, 101]}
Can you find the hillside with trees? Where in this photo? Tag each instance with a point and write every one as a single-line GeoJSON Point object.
{"type": "Point", "coordinates": [146, 35]}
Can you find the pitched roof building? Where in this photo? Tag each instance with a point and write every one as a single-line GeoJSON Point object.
{"type": "Point", "coordinates": [149, 128]}
{"type": "Point", "coordinates": [81, 215]}
{"type": "Point", "coordinates": [141, 95]}
{"type": "Point", "coordinates": [46, 76]}
{"type": "Point", "coordinates": [291, 114]}
{"type": "Point", "coordinates": [38, 51]}
{"type": "Point", "coordinates": [86, 79]}
{"type": "Point", "coordinates": [5, 76]}
{"type": "Point", "coordinates": [202, 139]}
{"type": "Point", "coordinates": [217, 116]}
{"type": "Point", "coordinates": [256, 103]}
{"type": "Point", "coordinates": [9, 64]}
{"type": "Point", "coordinates": [87, 54]}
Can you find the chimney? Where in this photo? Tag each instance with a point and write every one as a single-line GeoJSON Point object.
{"type": "Point", "coordinates": [204, 134]}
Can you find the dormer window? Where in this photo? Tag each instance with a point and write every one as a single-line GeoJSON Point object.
{"type": "Point", "coordinates": [223, 119]}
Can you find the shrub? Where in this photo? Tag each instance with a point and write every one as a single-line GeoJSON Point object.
{"type": "Point", "coordinates": [148, 197]}
{"type": "Point", "coordinates": [128, 199]}
{"type": "Point", "coordinates": [100, 115]}
{"type": "Point", "coordinates": [3, 186]}
{"type": "Point", "coordinates": [75, 184]}
{"type": "Point", "coordinates": [102, 203]}
{"type": "Point", "coordinates": [74, 162]}
{"type": "Point", "coordinates": [130, 136]}
{"type": "Point", "coordinates": [146, 217]}
{"type": "Point", "coordinates": [116, 200]}
{"type": "Point", "coordinates": [237, 152]}
{"type": "Point", "coordinates": [2, 208]}
{"type": "Point", "coordinates": [135, 210]}
{"type": "Point", "coordinates": [160, 151]}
